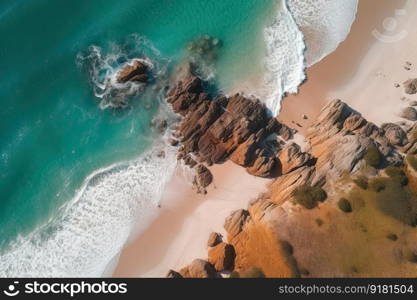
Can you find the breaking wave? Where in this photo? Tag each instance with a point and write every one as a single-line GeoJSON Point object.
{"type": "Point", "coordinates": [103, 66]}
{"type": "Point", "coordinates": [301, 34]}
{"type": "Point", "coordinates": [91, 229]}
{"type": "Point", "coordinates": [284, 58]}
{"type": "Point", "coordinates": [324, 23]}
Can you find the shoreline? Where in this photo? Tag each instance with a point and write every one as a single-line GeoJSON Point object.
{"type": "Point", "coordinates": [185, 221]}
{"type": "Point", "coordinates": [334, 76]}
{"type": "Point", "coordinates": [344, 75]}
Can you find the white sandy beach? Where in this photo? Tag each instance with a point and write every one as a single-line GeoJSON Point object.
{"type": "Point", "coordinates": [363, 72]}
{"type": "Point", "coordinates": [180, 233]}
{"type": "Point", "coordinates": [364, 69]}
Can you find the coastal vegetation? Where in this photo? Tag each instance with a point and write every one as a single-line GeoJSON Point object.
{"type": "Point", "coordinates": [391, 195]}
{"type": "Point", "coordinates": [309, 196]}
{"type": "Point", "coordinates": [344, 205]}
{"type": "Point", "coordinates": [362, 182]}
{"type": "Point", "coordinates": [398, 174]}
{"type": "Point", "coordinates": [373, 157]}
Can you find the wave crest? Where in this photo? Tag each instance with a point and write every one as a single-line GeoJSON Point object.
{"type": "Point", "coordinates": [324, 23]}
{"type": "Point", "coordinates": [301, 34]}
{"type": "Point", "coordinates": [91, 229]}
{"type": "Point", "coordinates": [103, 65]}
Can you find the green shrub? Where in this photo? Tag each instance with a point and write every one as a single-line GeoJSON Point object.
{"type": "Point", "coordinates": [398, 174]}
{"type": "Point", "coordinates": [344, 205]}
{"type": "Point", "coordinates": [392, 237]}
{"type": "Point", "coordinates": [412, 161]}
{"type": "Point", "coordinates": [319, 222]}
{"type": "Point", "coordinates": [373, 157]}
{"type": "Point", "coordinates": [378, 184]}
{"type": "Point", "coordinates": [393, 171]}
{"type": "Point", "coordinates": [309, 196]}
{"type": "Point", "coordinates": [361, 182]}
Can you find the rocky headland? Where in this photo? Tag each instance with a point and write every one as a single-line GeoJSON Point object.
{"type": "Point", "coordinates": [216, 129]}
{"type": "Point", "coordinates": [353, 184]}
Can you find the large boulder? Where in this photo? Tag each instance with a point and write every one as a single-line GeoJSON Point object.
{"type": "Point", "coordinates": [410, 86]}
{"type": "Point", "coordinates": [199, 268]}
{"type": "Point", "coordinates": [134, 71]}
{"type": "Point", "coordinates": [354, 122]}
{"type": "Point", "coordinates": [173, 274]}
{"type": "Point", "coordinates": [264, 166]}
{"type": "Point", "coordinates": [409, 113]}
{"type": "Point", "coordinates": [235, 222]}
{"type": "Point", "coordinates": [222, 257]}
{"type": "Point", "coordinates": [214, 239]}
{"type": "Point", "coordinates": [245, 155]}
{"type": "Point", "coordinates": [395, 134]}
{"type": "Point", "coordinates": [203, 177]}
{"type": "Point", "coordinates": [293, 158]}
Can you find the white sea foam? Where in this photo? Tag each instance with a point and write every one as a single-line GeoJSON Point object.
{"type": "Point", "coordinates": [113, 203]}
{"type": "Point", "coordinates": [302, 33]}
{"type": "Point", "coordinates": [92, 228]}
{"type": "Point", "coordinates": [324, 23]}
{"type": "Point", "coordinates": [103, 67]}
{"type": "Point", "coordinates": [284, 58]}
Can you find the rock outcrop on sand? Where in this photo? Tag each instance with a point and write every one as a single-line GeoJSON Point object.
{"type": "Point", "coordinates": [199, 268]}
{"type": "Point", "coordinates": [222, 257]}
{"type": "Point", "coordinates": [410, 86]}
{"type": "Point", "coordinates": [214, 239]}
{"type": "Point", "coordinates": [136, 71]}
{"type": "Point", "coordinates": [409, 113]}
{"type": "Point", "coordinates": [282, 238]}
{"type": "Point", "coordinates": [215, 129]}
{"type": "Point", "coordinates": [203, 178]}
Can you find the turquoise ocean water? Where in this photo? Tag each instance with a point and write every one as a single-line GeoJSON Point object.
{"type": "Point", "coordinates": [53, 134]}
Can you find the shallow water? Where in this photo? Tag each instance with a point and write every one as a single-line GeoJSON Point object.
{"type": "Point", "coordinates": [54, 135]}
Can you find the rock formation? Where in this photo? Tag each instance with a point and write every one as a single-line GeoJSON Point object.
{"type": "Point", "coordinates": [203, 177]}
{"type": "Point", "coordinates": [215, 129]}
{"type": "Point", "coordinates": [214, 239]}
{"type": "Point", "coordinates": [199, 269]}
{"type": "Point", "coordinates": [409, 113]}
{"type": "Point", "coordinates": [410, 86]}
{"type": "Point", "coordinates": [222, 257]}
{"type": "Point", "coordinates": [134, 71]}
{"type": "Point", "coordinates": [281, 238]}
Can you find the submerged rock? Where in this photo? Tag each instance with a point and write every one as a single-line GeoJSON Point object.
{"type": "Point", "coordinates": [135, 71]}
